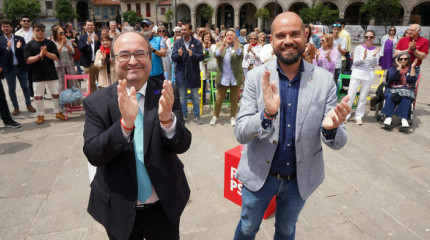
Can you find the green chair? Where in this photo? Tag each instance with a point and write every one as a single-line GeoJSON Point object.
{"type": "Point", "coordinates": [214, 91]}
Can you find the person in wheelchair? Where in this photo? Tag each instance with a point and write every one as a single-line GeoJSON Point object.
{"type": "Point", "coordinates": [400, 89]}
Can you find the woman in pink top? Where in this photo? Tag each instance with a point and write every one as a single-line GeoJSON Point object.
{"type": "Point", "coordinates": [326, 55]}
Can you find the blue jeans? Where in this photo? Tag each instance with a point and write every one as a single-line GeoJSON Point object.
{"type": "Point", "coordinates": [11, 82]}
{"type": "Point", "coordinates": [403, 106]}
{"type": "Point", "coordinates": [254, 204]}
{"type": "Point", "coordinates": [194, 97]}
{"type": "Point", "coordinates": [78, 67]}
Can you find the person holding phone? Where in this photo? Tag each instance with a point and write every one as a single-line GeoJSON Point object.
{"type": "Point", "coordinates": [229, 74]}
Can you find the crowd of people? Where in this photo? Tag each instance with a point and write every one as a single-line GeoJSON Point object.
{"type": "Point", "coordinates": [185, 56]}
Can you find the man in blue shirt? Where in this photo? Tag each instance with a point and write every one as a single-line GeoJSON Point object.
{"type": "Point", "coordinates": [158, 49]}
{"type": "Point", "coordinates": [283, 130]}
{"type": "Point", "coordinates": [315, 40]}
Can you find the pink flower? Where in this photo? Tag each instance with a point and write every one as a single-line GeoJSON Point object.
{"type": "Point", "coordinates": [192, 45]}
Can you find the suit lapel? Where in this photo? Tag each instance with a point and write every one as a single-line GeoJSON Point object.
{"type": "Point", "coordinates": [152, 95]}
{"type": "Point", "coordinates": [306, 92]}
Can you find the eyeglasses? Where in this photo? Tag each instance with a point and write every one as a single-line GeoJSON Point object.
{"type": "Point", "coordinates": [322, 40]}
{"type": "Point", "coordinates": [62, 33]}
{"type": "Point", "coordinates": [177, 31]}
{"type": "Point", "coordinates": [26, 21]}
{"type": "Point", "coordinates": [367, 37]}
{"type": "Point", "coordinates": [392, 30]}
{"type": "Point", "coordinates": [403, 59]}
{"type": "Point", "coordinates": [144, 25]}
{"type": "Point", "coordinates": [161, 31]}
{"type": "Point", "coordinates": [68, 32]}
{"type": "Point", "coordinates": [126, 56]}
{"type": "Point", "coordinates": [252, 38]}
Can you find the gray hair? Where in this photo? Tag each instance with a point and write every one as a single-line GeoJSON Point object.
{"type": "Point", "coordinates": [252, 34]}
{"type": "Point", "coordinates": [112, 22]}
{"type": "Point", "coordinates": [125, 32]}
{"type": "Point", "coordinates": [177, 28]}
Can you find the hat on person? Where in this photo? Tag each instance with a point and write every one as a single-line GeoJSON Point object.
{"type": "Point", "coordinates": [146, 21]}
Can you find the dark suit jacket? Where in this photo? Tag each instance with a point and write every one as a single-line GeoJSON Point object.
{"type": "Point", "coordinates": [114, 188]}
{"type": "Point", "coordinates": [86, 49]}
{"type": "Point", "coordinates": [187, 68]}
{"type": "Point", "coordinates": [19, 54]}
{"type": "Point", "coordinates": [2, 60]}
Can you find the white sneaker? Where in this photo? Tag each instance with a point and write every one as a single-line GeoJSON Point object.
{"type": "Point", "coordinates": [405, 123]}
{"type": "Point", "coordinates": [388, 121]}
{"type": "Point", "coordinates": [347, 118]}
{"type": "Point", "coordinates": [359, 121]}
{"type": "Point", "coordinates": [213, 121]}
{"type": "Point", "coordinates": [232, 121]}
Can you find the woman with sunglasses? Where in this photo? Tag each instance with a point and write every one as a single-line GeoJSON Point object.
{"type": "Point", "coordinates": [327, 55]}
{"type": "Point", "coordinates": [400, 92]}
{"type": "Point", "coordinates": [388, 46]}
{"type": "Point", "coordinates": [65, 63]}
{"type": "Point", "coordinates": [366, 58]}
{"type": "Point", "coordinates": [167, 61]}
{"type": "Point", "coordinates": [251, 52]}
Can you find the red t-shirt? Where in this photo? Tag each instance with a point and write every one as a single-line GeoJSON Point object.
{"type": "Point", "coordinates": [422, 45]}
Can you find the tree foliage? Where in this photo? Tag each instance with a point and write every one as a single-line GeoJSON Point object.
{"type": "Point", "coordinates": [262, 13]}
{"type": "Point", "coordinates": [384, 11]}
{"type": "Point", "coordinates": [206, 11]}
{"type": "Point", "coordinates": [319, 12]}
{"type": "Point", "coordinates": [168, 16]}
{"type": "Point", "coordinates": [14, 9]}
{"type": "Point", "coordinates": [132, 17]}
{"type": "Point", "coordinates": [64, 11]}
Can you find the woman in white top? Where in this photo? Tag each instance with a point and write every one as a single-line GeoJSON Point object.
{"type": "Point", "coordinates": [366, 58]}
{"type": "Point", "coordinates": [251, 53]}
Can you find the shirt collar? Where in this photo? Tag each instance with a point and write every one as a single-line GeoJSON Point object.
{"type": "Point", "coordinates": [297, 77]}
{"type": "Point", "coordinates": [141, 91]}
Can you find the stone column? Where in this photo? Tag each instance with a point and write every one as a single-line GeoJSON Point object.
{"type": "Point", "coordinates": [341, 14]}
{"type": "Point", "coordinates": [406, 18]}
{"type": "Point", "coordinates": [236, 20]}
{"type": "Point", "coordinates": [193, 20]}
{"type": "Point", "coordinates": [214, 19]}
{"type": "Point", "coordinates": [260, 24]}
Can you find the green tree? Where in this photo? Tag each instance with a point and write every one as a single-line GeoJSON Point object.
{"type": "Point", "coordinates": [206, 11]}
{"type": "Point", "coordinates": [14, 9]}
{"type": "Point", "coordinates": [132, 17]}
{"type": "Point", "coordinates": [168, 16]}
{"type": "Point", "coordinates": [385, 11]}
{"type": "Point", "coordinates": [64, 11]}
{"type": "Point", "coordinates": [319, 12]}
{"type": "Point", "coordinates": [262, 13]}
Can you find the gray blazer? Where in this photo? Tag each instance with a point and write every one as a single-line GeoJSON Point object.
{"type": "Point", "coordinates": [317, 96]}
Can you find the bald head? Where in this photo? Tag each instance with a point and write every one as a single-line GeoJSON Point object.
{"type": "Point", "coordinates": [288, 38]}
{"type": "Point", "coordinates": [290, 18]}
{"type": "Point", "coordinates": [414, 31]}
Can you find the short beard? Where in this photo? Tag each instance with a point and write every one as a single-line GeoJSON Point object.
{"type": "Point", "coordinates": [289, 60]}
{"type": "Point", "coordinates": [147, 34]}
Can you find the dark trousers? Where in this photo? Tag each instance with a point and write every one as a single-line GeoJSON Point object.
{"type": "Point", "coordinates": [4, 109]}
{"type": "Point", "coordinates": [30, 81]}
{"type": "Point", "coordinates": [348, 62]}
{"type": "Point", "coordinates": [152, 224]}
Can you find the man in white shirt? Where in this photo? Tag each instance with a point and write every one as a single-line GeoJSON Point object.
{"type": "Point", "coordinates": [27, 33]}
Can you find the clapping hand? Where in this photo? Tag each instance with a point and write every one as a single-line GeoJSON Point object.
{"type": "Point", "coordinates": [166, 102]}
{"type": "Point", "coordinates": [337, 115]}
{"type": "Point", "coordinates": [190, 53]}
{"type": "Point", "coordinates": [272, 100]}
{"type": "Point", "coordinates": [128, 105]}
{"type": "Point", "coordinates": [411, 46]}
{"type": "Point", "coordinates": [19, 44]}
{"type": "Point", "coordinates": [365, 54]}
{"type": "Point", "coordinates": [9, 44]}
{"type": "Point", "coordinates": [180, 51]}
{"type": "Point", "coordinates": [376, 51]}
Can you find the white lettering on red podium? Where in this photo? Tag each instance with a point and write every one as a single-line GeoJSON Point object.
{"type": "Point", "coordinates": [234, 183]}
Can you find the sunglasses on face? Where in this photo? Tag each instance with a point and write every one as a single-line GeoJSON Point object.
{"type": "Point", "coordinates": [177, 31]}
{"type": "Point", "coordinates": [62, 33]}
{"type": "Point", "coordinates": [144, 25]}
{"type": "Point", "coordinates": [252, 38]}
{"type": "Point", "coordinates": [369, 37]}
{"type": "Point", "coordinates": [26, 21]}
{"type": "Point", "coordinates": [403, 59]}
{"type": "Point", "coordinates": [161, 31]}
{"type": "Point", "coordinates": [322, 40]}
{"type": "Point", "coordinates": [393, 30]}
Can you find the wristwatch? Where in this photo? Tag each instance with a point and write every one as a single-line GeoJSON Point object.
{"type": "Point", "coordinates": [171, 119]}
{"type": "Point", "coordinates": [153, 50]}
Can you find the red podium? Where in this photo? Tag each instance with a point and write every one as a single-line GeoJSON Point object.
{"type": "Point", "coordinates": [232, 186]}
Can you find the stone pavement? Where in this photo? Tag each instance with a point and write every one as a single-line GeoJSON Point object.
{"type": "Point", "coordinates": [376, 187]}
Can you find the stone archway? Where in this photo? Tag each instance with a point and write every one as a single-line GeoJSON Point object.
{"type": "Point", "coordinates": [200, 20]}
{"type": "Point", "coordinates": [246, 17]}
{"type": "Point", "coordinates": [274, 9]}
{"type": "Point", "coordinates": [420, 14]}
{"type": "Point", "coordinates": [353, 16]}
{"type": "Point", "coordinates": [183, 13]}
{"type": "Point", "coordinates": [297, 6]}
{"type": "Point", "coordinates": [225, 15]}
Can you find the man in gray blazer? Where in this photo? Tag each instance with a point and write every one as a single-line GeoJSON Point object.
{"type": "Point", "coordinates": [283, 131]}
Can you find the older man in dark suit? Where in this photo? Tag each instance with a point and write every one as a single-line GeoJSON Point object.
{"type": "Point", "coordinates": [133, 133]}
{"type": "Point", "coordinates": [88, 45]}
{"type": "Point", "coordinates": [15, 66]}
